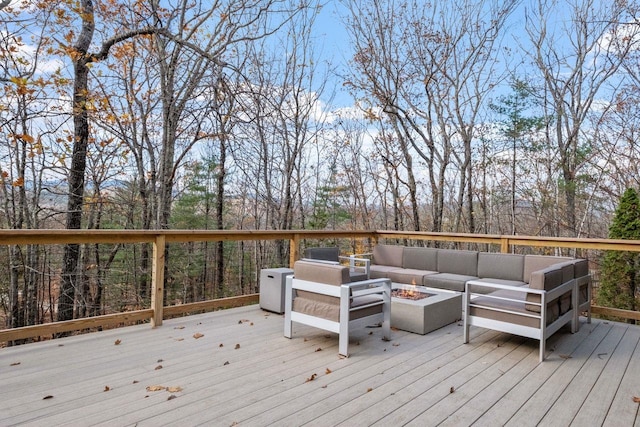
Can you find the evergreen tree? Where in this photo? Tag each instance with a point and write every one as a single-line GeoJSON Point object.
{"type": "Point", "coordinates": [620, 269]}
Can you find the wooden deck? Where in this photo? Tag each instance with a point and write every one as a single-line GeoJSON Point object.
{"type": "Point", "coordinates": [242, 371]}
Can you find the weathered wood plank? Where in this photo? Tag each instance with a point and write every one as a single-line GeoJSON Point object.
{"type": "Point", "coordinates": [406, 381]}
{"type": "Point", "coordinates": [500, 414]}
{"type": "Point", "coordinates": [580, 369]}
{"type": "Point", "coordinates": [602, 393]}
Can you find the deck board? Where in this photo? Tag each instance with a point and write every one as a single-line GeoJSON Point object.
{"type": "Point", "coordinates": [588, 378]}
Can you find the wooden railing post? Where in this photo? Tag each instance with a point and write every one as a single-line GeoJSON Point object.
{"type": "Point", "coordinates": [504, 244]}
{"type": "Point", "coordinates": [294, 249]}
{"type": "Point", "coordinates": [157, 280]}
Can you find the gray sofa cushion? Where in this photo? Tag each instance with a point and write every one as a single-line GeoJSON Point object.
{"type": "Point", "coordinates": [501, 266]}
{"type": "Point", "coordinates": [389, 255]}
{"type": "Point", "coordinates": [458, 262]}
{"type": "Point", "coordinates": [409, 275]}
{"type": "Point", "coordinates": [450, 281]}
{"type": "Point", "coordinates": [546, 279]}
{"type": "Point", "coordinates": [381, 271]}
{"type": "Point", "coordinates": [420, 258]}
{"type": "Point", "coordinates": [538, 262]}
{"type": "Point", "coordinates": [326, 254]}
{"type": "Point", "coordinates": [501, 282]}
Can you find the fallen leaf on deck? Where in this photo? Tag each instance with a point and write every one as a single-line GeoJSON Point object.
{"type": "Point", "coordinates": [369, 389]}
{"type": "Point", "coordinates": [636, 399]}
{"type": "Point", "coordinates": [107, 388]}
{"type": "Point", "coordinates": [160, 361]}
{"type": "Point", "coordinates": [452, 389]}
{"type": "Point", "coordinates": [135, 381]}
{"type": "Point", "coordinates": [370, 333]}
{"type": "Point", "coordinates": [179, 327]}
{"type": "Point", "coordinates": [15, 364]}
{"type": "Point", "coordinates": [198, 335]}
{"type": "Point", "coordinates": [324, 386]}
{"type": "Point", "coordinates": [386, 339]}
{"type": "Point", "coordinates": [174, 389]}
{"type": "Point", "coordinates": [565, 356]}
{"type": "Point", "coordinates": [318, 349]}
{"type": "Point", "coordinates": [117, 342]}
{"type": "Point", "coordinates": [328, 371]}
{"type": "Point", "coordinates": [237, 346]}
{"type": "Point", "coordinates": [156, 388]}
{"type": "Point", "coordinates": [226, 363]}
{"type": "Point", "coordinates": [158, 367]}
{"type": "Point", "coordinates": [395, 344]}
{"type": "Point", "coordinates": [311, 378]}
{"type": "Point", "coordinates": [179, 339]}
{"type": "Point", "coordinates": [221, 345]}
{"type": "Point", "coordinates": [47, 397]}
{"type": "Point", "coordinates": [173, 396]}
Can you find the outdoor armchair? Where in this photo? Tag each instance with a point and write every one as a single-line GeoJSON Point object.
{"type": "Point", "coordinates": [321, 295]}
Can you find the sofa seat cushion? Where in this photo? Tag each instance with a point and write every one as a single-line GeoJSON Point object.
{"type": "Point", "coordinates": [410, 276]}
{"type": "Point", "coordinates": [449, 281]}
{"type": "Point", "coordinates": [310, 303]}
{"type": "Point", "coordinates": [487, 307]}
{"type": "Point", "coordinates": [381, 271]}
{"type": "Point", "coordinates": [501, 282]}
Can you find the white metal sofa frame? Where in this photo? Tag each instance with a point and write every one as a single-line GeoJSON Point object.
{"type": "Point", "coordinates": [505, 300]}
{"type": "Point", "coordinates": [354, 299]}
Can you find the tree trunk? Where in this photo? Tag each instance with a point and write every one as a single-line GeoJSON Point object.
{"type": "Point", "coordinates": [71, 257]}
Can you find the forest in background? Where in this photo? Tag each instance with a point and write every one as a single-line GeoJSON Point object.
{"type": "Point", "coordinates": [499, 117]}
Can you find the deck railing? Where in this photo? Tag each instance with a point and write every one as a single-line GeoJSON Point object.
{"type": "Point", "coordinates": [160, 238]}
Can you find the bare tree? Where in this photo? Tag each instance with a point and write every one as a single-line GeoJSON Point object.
{"type": "Point", "coordinates": [575, 61]}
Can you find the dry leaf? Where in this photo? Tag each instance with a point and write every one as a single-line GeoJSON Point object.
{"type": "Point", "coordinates": [135, 381]}
{"type": "Point", "coordinates": [107, 388]}
{"type": "Point", "coordinates": [179, 327]}
{"type": "Point", "coordinates": [324, 386]}
{"type": "Point", "coordinates": [174, 389]}
{"type": "Point", "coordinates": [173, 396]}
{"type": "Point", "coordinates": [226, 363]}
{"type": "Point", "coordinates": [159, 361]}
{"type": "Point", "coordinates": [311, 378]}
{"type": "Point", "coordinates": [318, 349]}
{"type": "Point", "coordinates": [328, 371]}
{"type": "Point", "coordinates": [155, 388]}
{"type": "Point", "coordinates": [251, 324]}
{"type": "Point", "coordinates": [198, 335]}
{"type": "Point", "coordinates": [237, 346]}
{"type": "Point", "coordinates": [158, 367]}
{"type": "Point", "coordinates": [221, 345]}
{"type": "Point", "coordinates": [15, 364]}
{"type": "Point", "coordinates": [369, 389]}
{"type": "Point", "coordinates": [117, 342]}
{"type": "Point", "coordinates": [565, 356]}
{"type": "Point", "coordinates": [47, 397]}
{"type": "Point", "coordinates": [636, 399]}
{"type": "Point", "coordinates": [179, 339]}
{"type": "Point", "coordinates": [452, 389]}
{"type": "Point", "coordinates": [395, 344]}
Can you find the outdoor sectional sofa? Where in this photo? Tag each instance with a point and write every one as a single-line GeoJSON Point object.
{"type": "Point", "coordinates": [527, 295]}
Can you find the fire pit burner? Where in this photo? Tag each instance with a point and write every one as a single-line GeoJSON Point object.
{"type": "Point", "coordinates": [410, 294]}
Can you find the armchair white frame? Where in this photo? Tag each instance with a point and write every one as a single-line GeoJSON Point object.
{"type": "Point", "coordinates": [354, 298]}
{"type": "Point", "coordinates": [499, 300]}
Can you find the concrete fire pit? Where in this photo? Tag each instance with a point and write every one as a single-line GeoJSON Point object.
{"type": "Point", "coordinates": [423, 315]}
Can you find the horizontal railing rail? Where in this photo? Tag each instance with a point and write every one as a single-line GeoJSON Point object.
{"type": "Point", "coordinates": [160, 238]}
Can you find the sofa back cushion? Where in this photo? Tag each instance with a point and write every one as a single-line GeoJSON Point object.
{"type": "Point", "coordinates": [539, 262]}
{"type": "Point", "coordinates": [420, 258]}
{"type": "Point", "coordinates": [321, 273]}
{"type": "Point", "coordinates": [501, 266]}
{"type": "Point", "coordinates": [325, 254]}
{"type": "Point", "coordinates": [390, 255]}
{"type": "Point", "coordinates": [580, 267]}
{"type": "Point", "coordinates": [458, 262]}
{"type": "Point", "coordinates": [546, 279]}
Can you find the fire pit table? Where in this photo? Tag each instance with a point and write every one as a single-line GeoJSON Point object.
{"type": "Point", "coordinates": [420, 310]}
